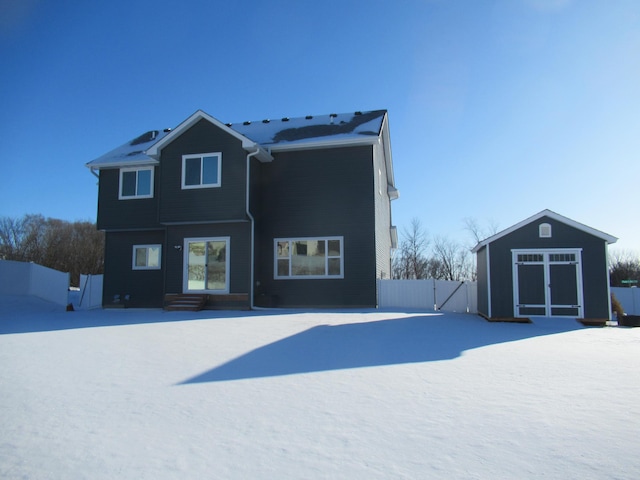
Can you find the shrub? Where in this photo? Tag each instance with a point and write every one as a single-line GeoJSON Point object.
{"type": "Point", "coordinates": [616, 307]}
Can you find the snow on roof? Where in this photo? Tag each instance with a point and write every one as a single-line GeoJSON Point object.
{"type": "Point", "coordinates": [132, 152]}
{"type": "Point", "coordinates": [335, 126]}
{"type": "Point", "coordinates": [299, 131]}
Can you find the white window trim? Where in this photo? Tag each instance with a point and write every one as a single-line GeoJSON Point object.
{"type": "Point", "coordinates": [147, 247]}
{"type": "Point", "coordinates": [544, 230]}
{"type": "Point", "coordinates": [136, 196]}
{"type": "Point", "coordinates": [307, 277]}
{"type": "Point", "coordinates": [185, 265]}
{"type": "Point", "coordinates": [201, 156]}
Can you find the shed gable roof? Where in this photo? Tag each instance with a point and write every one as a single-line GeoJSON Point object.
{"type": "Point", "coordinates": [550, 214]}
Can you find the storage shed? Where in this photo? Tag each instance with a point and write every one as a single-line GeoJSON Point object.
{"type": "Point", "coordinates": [545, 266]}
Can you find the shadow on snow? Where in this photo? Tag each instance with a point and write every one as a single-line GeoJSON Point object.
{"type": "Point", "coordinates": [421, 338]}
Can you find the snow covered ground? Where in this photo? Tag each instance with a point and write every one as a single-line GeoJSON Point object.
{"type": "Point", "coordinates": [146, 394]}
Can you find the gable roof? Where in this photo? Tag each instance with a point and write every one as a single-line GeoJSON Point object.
{"type": "Point", "coordinates": [550, 214]}
{"type": "Point", "coordinates": [262, 136]}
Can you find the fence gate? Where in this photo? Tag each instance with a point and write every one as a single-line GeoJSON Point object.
{"type": "Point", "coordinates": [428, 294]}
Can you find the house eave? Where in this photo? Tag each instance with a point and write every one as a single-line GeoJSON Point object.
{"type": "Point", "coordinates": [320, 144]}
{"type": "Point", "coordinates": [123, 164]}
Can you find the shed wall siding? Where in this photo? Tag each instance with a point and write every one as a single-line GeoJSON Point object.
{"type": "Point", "coordinates": [319, 193]}
{"type": "Point", "coordinates": [481, 266]}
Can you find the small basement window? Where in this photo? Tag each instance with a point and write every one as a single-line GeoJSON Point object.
{"type": "Point", "coordinates": [136, 182]}
{"type": "Point", "coordinates": [545, 230]}
{"type": "Point", "coordinates": [146, 257]}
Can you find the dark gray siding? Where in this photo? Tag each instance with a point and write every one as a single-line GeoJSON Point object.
{"type": "Point", "coordinates": [122, 214]}
{"type": "Point", "coordinates": [240, 252]}
{"type": "Point", "coordinates": [481, 266]}
{"type": "Point", "coordinates": [594, 265]}
{"type": "Point", "coordinates": [318, 194]}
{"type": "Point", "coordinates": [143, 287]}
{"type": "Point", "coordinates": [226, 202]}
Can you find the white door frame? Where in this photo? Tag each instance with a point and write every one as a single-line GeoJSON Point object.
{"type": "Point", "coordinates": [185, 263]}
{"type": "Point", "coordinates": [547, 262]}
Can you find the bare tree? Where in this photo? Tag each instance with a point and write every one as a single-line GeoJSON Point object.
{"type": "Point", "coordinates": [76, 247]}
{"type": "Point", "coordinates": [478, 232]}
{"type": "Point", "coordinates": [454, 259]}
{"type": "Point", "coordinates": [410, 261]}
{"type": "Point", "coordinates": [623, 265]}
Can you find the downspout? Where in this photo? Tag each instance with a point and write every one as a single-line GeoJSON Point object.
{"type": "Point", "coordinates": [253, 227]}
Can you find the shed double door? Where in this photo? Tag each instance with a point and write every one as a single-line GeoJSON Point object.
{"type": "Point", "coordinates": [547, 283]}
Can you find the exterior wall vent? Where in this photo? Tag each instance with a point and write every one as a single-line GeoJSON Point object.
{"type": "Point", "coordinates": [544, 230]}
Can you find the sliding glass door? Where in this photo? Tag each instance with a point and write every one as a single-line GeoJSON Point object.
{"type": "Point", "coordinates": [206, 265]}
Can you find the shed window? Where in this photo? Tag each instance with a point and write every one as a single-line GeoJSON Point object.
{"type": "Point", "coordinates": [545, 230]}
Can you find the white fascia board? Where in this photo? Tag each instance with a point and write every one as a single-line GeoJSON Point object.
{"type": "Point", "coordinates": [553, 215]}
{"type": "Point", "coordinates": [386, 143]}
{"type": "Point", "coordinates": [122, 164]}
{"type": "Point", "coordinates": [247, 144]}
{"type": "Point", "coordinates": [347, 142]}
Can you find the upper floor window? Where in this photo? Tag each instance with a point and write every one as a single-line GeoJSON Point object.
{"type": "Point", "coordinates": [136, 182]}
{"type": "Point", "coordinates": [202, 170]}
{"type": "Point", "coordinates": [309, 258]}
{"type": "Point", "coordinates": [146, 257]}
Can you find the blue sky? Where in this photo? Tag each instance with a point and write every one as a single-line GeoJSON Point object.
{"type": "Point", "coordinates": [498, 109]}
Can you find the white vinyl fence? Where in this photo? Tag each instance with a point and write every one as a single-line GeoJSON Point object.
{"type": "Point", "coordinates": [90, 294]}
{"type": "Point", "coordinates": [629, 298]}
{"type": "Point", "coordinates": [429, 294]}
{"type": "Point", "coordinates": [20, 278]}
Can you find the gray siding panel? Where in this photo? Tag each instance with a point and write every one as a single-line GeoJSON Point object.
{"type": "Point", "coordinates": [382, 206]}
{"type": "Point", "coordinates": [240, 250]}
{"type": "Point", "coordinates": [143, 287]}
{"type": "Point", "coordinates": [319, 194]}
{"type": "Point", "coordinates": [226, 202]}
{"type": "Point", "coordinates": [114, 213]}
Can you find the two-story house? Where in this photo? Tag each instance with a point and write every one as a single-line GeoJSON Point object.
{"type": "Point", "coordinates": [294, 212]}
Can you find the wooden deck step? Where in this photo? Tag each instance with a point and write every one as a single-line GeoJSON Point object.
{"type": "Point", "coordinates": [185, 302]}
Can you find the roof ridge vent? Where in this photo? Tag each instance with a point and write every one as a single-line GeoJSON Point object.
{"type": "Point", "coordinates": [309, 117]}
{"type": "Point", "coordinates": [246, 123]}
{"type": "Point", "coordinates": [266, 120]}
{"type": "Point", "coordinates": [285, 119]}
{"type": "Point", "coordinates": [331, 117]}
